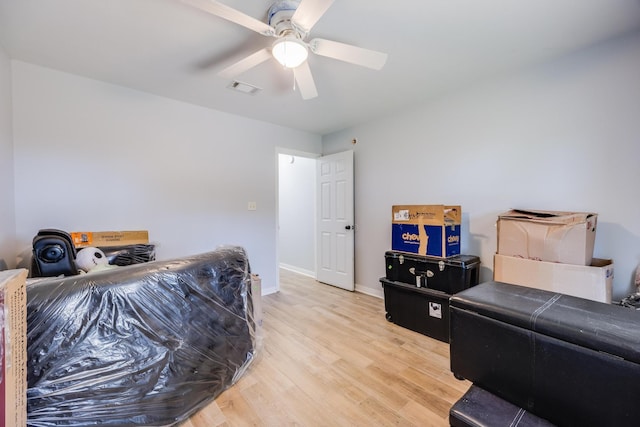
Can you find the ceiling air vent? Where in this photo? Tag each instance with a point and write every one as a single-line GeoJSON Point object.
{"type": "Point", "coordinates": [244, 87]}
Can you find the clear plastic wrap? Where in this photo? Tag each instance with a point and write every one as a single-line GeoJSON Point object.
{"type": "Point", "coordinates": [129, 254]}
{"type": "Point", "coordinates": [143, 345]}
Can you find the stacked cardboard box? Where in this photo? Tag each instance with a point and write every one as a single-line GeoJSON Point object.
{"type": "Point", "coordinates": [83, 239]}
{"type": "Point", "coordinates": [13, 348]}
{"type": "Point", "coordinates": [432, 230]}
{"type": "Point", "coordinates": [553, 251]}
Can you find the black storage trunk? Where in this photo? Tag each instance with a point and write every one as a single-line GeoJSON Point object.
{"type": "Point", "coordinates": [571, 361]}
{"type": "Point", "coordinates": [450, 275]}
{"type": "Point", "coordinates": [420, 309]}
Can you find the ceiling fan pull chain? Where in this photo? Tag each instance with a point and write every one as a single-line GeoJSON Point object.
{"type": "Point", "coordinates": [294, 81]}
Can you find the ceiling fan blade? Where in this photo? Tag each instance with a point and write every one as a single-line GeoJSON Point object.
{"type": "Point", "coordinates": [309, 12]}
{"type": "Point", "coordinates": [233, 15]}
{"type": "Point", "coordinates": [304, 80]}
{"type": "Point", "coordinates": [348, 53]}
{"type": "Point", "coordinates": [245, 64]}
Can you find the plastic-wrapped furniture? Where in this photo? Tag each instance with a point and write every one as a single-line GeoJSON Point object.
{"type": "Point", "coordinates": [568, 360]}
{"type": "Point", "coordinates": [147, 344]}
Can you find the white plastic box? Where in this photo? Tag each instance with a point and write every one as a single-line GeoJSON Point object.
{"type": "Point", "coordinates": [594, 282]}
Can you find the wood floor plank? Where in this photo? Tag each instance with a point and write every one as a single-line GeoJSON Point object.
{"type": "Point", "coordinates": [211, 416]}
{"type": "Point", "coordinates": [375, 387]}
{"type": "Point", "coordinates": [236, 409]}
{"type": "Point", "coordinates": [330, 358]}
{"type": "Point", "coordinates": [424, 396]}
{"type": "Point", "coordinates": [418, 415]}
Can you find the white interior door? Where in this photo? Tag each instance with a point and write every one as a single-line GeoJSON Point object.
{"type": "Point", "coordinates": [335, 239]}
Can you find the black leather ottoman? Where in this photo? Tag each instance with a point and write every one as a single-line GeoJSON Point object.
{"type": "Point", "coordinates": [571, 361]}
{"type": "Point", "coordinates": [479, 408]}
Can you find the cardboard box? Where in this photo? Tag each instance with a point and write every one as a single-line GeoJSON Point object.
{"type": "Point", "coordinates": [566, 237]}
{"type": "Point", "coordinates": [13, 348]}
{"type": "Point", "coordinates": [256, 293]}
{"type": "Point", "coordinates": [594, 282]}
{"type": "Point", "coordinates": [256, 299]}
{"type": "Point", "coordinates": [82, 239]}
{"type": "Point", "coordinates": [432, 230]}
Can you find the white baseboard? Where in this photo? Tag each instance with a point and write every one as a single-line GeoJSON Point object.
{"type": "Point", "coordinates": [374, 292]}
{"type": "Point", "coordinates": [298, 270]}
{"type": "Point", "coordinates": [269, 291]}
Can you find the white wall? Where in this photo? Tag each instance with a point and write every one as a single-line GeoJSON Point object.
{"type": "Point", "coordinates": [7, 213]}
{"type": "Point", "coordinates": [95, 156]}
{"type": "Point", "coordinates": [297, 184]}
{"type": "Point", "coordinates": [563, 136]}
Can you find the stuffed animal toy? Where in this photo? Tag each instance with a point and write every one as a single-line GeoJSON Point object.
{"type": "Point", "coordinates": [92, 259]}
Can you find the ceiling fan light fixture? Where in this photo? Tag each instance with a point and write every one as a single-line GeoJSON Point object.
{"type": "Point", "coordinates": [290, 51]}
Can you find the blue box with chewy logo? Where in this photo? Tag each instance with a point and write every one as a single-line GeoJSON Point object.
{"type": "Point", "coordinates": [432, 230]}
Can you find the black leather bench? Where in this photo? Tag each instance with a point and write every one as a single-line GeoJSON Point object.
{"type": "Point", "coordinates": [571, 361]}
{"type": "Point", "coordinates": [479, 408]}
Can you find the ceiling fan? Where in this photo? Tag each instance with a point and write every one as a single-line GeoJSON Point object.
{"type": "Point", "coordinates": [290, 22]}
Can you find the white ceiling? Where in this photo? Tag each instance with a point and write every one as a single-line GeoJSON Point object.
{"type": "Point", "coordinates": [168, 48]}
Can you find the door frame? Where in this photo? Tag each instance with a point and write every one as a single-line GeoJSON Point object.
{"type": "Point", "coordinates": [297, 153]}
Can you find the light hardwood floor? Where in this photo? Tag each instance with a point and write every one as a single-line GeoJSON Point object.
{"type": "Point", "coordinates": [330, 358]}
